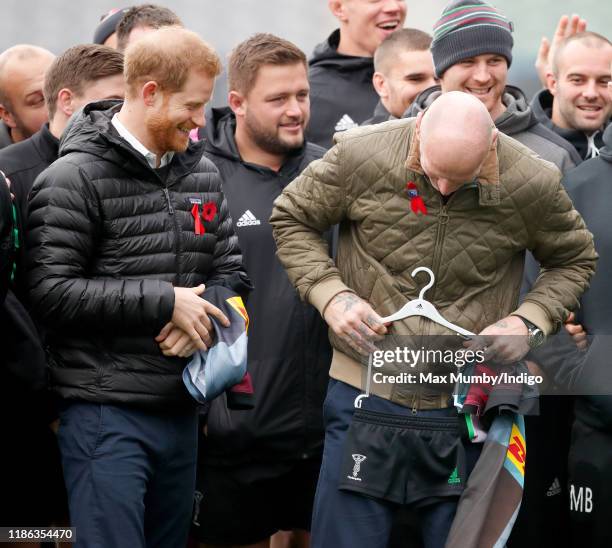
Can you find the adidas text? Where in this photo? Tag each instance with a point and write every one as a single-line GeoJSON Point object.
{"type": "Point", "coordinates": [248, 219]}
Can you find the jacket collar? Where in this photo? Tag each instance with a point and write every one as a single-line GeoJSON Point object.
{"type": "Point", "coordinates": [487, 178]}
{"type": "Point", "coordinates": [46, 143]}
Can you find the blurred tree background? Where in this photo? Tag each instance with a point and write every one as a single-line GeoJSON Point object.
{"type": "Point", "coordinates": [59, 24]}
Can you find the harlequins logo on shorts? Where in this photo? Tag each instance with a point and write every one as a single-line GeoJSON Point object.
{"type": "Point", "coordinates": [358, 460]}
{"type": "Point", "coordinates": [454, 478]}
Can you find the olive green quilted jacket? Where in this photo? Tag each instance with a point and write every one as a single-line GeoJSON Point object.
{"type": "Point", "coordinates": [474, 243]}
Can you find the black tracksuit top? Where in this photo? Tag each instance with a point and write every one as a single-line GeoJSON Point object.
{"type": "Point", "coordinates": [289, 352]}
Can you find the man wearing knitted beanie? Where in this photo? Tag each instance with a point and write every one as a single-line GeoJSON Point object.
{"type": "Point", "coordinates": [472, 52]}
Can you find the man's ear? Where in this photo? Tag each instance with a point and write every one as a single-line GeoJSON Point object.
{"type": "Point", "coordinates": [237, 102]}
{"type": "Point", "coordinates": [150, 93]}
{"type": "Point", "coordinates": [338, 10]}
{"type": "Point", "coordinates": [64, 102]}
{"type": "Point", "coordinates": [7, 117]}
{"type": "Point", "coordinates": [494, 137]}
{"type": "Point", "coordinates": [551, 83]}
{"type": "Point", "coordinates": [380, 85]}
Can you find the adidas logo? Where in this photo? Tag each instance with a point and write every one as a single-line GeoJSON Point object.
{"type": "Point", "coordinates": [248, 219]}
{"type": "Point", "coordinates": [554, 489]}
{"type": "Point", "coordinates": [454, 477]}
{"type": "Point", "coordinates": [346, 122]}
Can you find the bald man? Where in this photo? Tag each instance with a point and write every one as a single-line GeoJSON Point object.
{"type": "Point", "coordinates": [22, 104]}
{"type": "Point", "coordinates": [446, 191]}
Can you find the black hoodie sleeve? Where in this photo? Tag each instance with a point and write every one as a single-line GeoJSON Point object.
{"type": "Point", "coordinates": [63, 225]}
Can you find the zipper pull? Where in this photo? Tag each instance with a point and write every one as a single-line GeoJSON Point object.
{"type": "Point", "coordinates": [443, 216]}
{"type": "Point", "coordinates": [414, 402]}
{"type": "Point", "coordinates": [170, 208]}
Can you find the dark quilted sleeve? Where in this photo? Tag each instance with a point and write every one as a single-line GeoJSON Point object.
{"type": "Point", "coordinates": [63, 225]}
{"type": "Point", "coordinates": [564, 248]}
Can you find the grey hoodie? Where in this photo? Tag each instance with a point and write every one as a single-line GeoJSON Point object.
{"type": "Point", "coordinates": [517, 121]}
{"type": "Point", "coordinates": [575, 141]}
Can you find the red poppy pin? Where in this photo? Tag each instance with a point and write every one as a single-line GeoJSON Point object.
{"type": "Point", "coordinates": [416, 202]}
{"type": "Point", "coordinates": [209, 210]}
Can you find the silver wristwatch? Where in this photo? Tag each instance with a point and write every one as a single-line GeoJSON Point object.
{"type": "Point", "coordinates": [535, 335]}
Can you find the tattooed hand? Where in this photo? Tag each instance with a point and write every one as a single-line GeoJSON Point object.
{"type": "Point", "coordinates": [506, 341]}
{"type": "Point", "coordinates": [353, 319]}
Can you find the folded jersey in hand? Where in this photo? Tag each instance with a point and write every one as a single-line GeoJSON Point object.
{"type": "Point", "coordinates": [223, 366]}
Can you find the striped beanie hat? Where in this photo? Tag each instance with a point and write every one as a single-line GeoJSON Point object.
{"type": "Point", "coordinates": [468, 28]}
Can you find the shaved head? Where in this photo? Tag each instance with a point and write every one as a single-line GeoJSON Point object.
{"type": "Point", "coordinates": [17, 55]}
{"type": "Point", "coordinates": [456, 133]}
{"type": "Point", "coordinates": [22, 72]}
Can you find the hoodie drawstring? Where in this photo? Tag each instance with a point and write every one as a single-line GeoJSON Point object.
{"type": "Point", "coordinates": [592, 151]}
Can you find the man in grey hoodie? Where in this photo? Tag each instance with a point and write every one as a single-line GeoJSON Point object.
{"type": "Point", "coordinates": [473, 57]}
{"type": "Point", "coordinates": [576, 104]}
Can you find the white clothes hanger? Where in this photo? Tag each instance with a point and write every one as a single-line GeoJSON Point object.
{"type": "Point", "coordinates": [416, 307]}
{"type": "Point", "coordinates": [421, 307]}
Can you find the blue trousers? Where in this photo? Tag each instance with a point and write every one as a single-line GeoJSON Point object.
{"type": "Point", "coordinates": [343, 519]}
{"type": "Point", "coordinates": [130, 474]}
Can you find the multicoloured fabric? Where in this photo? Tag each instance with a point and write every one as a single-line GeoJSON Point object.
{"type": "Point", "coordinates": [224, 365]}
{"type": "Point", "coordinates": [468, 28]}
{"type": "Point", "coordinates": [491, 500]}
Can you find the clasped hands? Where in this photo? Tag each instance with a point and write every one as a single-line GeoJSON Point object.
{"type": "Point", "coordinates": [506, 341]}
{"type": "Point", "coordinates": [190, 328]}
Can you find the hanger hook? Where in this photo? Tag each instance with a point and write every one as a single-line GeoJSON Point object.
{"type": "Point", "coordinates": [431, 279]}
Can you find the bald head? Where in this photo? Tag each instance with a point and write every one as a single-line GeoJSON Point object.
{"type": "Point", "coordinates": [16, 56]}
{"type": "Point", "coordinates": [456, 133]}
{"type": "Point", "coordinates": [22, 72]}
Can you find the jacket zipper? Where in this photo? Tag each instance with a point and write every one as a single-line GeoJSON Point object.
{"type": "Point", "coordinates": [168, 201]}
{"type": "Point", "coordinates": [437, 256]}
{"type": "Point", "coordinates": [177, 236]}
{"type": "Point", "coordinates": [443, 218]}
{"type": "Point", "coordinates": [441, 232]}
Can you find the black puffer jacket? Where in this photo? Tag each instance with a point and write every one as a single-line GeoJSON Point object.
{"type": "Point", "coordinates": [108, 238]}
{"type": "Point", "coordinates": [341, 91]}
{"type": "Point", "coordinates": [289, 351]}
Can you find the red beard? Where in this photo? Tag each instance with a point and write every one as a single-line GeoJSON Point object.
{"type": "Point", "coordinates": [165, 134]}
